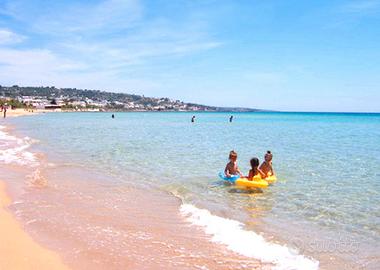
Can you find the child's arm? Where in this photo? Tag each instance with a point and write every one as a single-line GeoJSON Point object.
{"type": "Point", "coordinates": [262, 174]}
{"type": "Point", "coordinates": [236, 169]}
{"type": "Point", "coordinates": [261, 165]}
{"type": "Point", "coordinates": [271, 168]}
{"type": "Point", "coordinates": [227, 171]}
{"type": "Point", "coordinates": [250, 175]}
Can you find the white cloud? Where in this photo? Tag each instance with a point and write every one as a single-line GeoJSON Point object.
{"type": "Point", "coordinates": [74, 17]}
{"type": "Point", "coordinates": [111, 45]}
{"type": "Point", "coordinates": [31, 66]}
{"type": "Point", "coordinates": [124, 53]}
{"type": "Point", "coordinates": [111, 33]}
{"type": "Point", "coordinates": [43, 67]}
{"type": "Point", "coordinates": [9, 37]}
{"type": "Point", "coordinates": [36, 59]}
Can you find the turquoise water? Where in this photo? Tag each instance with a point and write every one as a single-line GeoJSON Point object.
{"type": "Point", "coordinates": [327, 166]}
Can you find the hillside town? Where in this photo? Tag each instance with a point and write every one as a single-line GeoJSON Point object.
{"type": "Point", "coordinates": [51, 98]}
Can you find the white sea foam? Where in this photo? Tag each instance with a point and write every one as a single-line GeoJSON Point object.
{"type": "Point", "coordinates": [247, 243]}
{"type": "Point", "coordinates": [13, 150]}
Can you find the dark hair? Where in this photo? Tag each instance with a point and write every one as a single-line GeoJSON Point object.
{"type": "Point", "coordinates": [269, 155]}
{"type": "Point", "coordinates": [254, 164]}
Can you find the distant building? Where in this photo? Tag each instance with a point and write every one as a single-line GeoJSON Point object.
{"type": "Point", "coordinates": [78, 103]}
{"type": "Point", "coordinates": [52, 107]}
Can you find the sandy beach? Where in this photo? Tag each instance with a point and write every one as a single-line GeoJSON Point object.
{"type": "Point", "coordinates": [21, 112]}
{"type": "Point", "coordinates": [17, 249]}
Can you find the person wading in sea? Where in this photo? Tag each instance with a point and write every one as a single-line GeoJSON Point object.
{"type": "Point", "coordinates": [5, 110]}
{"type": "Point", "coordinates": [231, 118]}
{"type": "Point", "coordinates": [193, 119]}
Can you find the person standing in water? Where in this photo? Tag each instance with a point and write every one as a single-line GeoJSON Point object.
{"type": "Point", "coordinates": [193, 119]}
{"type": "Point", "coordinates": [231, 118]}
{"type": "Point", "coordinates": [5, 110]}
{"type": "Point", "coordinates": [113, 116]}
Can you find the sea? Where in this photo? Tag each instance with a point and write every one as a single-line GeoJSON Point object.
{"type": "Point", "coordinates": [141, 190]}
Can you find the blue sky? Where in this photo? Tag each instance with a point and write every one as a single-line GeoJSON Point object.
{"type": "Point", "coordinates": [281, 55]}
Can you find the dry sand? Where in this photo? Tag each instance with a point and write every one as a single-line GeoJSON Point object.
{"type": "Point", "coordinates": [18, 251]}
{"type": "Point", "coordinates": [19, 112]}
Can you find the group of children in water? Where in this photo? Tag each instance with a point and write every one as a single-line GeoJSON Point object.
{"type": "Point", "coordinates": [264, 170]}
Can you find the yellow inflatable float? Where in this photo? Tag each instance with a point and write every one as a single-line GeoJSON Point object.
{"type": "Point", "coordinates": [270, 179]}
{"type": "Point", "coordinates": [254, 183]}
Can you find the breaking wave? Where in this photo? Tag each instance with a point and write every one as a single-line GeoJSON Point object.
{"type": "Point", "coordinates": [247, 243]}
{"type": "Point", "coordinates": [13, 150]}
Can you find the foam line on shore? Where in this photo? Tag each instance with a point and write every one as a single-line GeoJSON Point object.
{"type": "Point", "coordinates": [14, 150]}
{"type": "Point", "coordinates": [248, 243]}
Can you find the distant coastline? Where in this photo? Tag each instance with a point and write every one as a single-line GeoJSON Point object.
{"type": "Point", "coordinates": [72, 99]}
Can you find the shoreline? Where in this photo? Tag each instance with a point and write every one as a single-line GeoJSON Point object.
{"type": "Point", "coordinates": [17, 249]}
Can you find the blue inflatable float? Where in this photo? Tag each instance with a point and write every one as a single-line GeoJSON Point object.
{"type": "Point", "coordinates": [231, 179]}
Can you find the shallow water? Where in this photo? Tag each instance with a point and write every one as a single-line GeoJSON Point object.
{"type": "Point", "coordinates": [325, 205]}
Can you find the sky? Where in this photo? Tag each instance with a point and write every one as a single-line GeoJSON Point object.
{"type": "Point", "coordinates": [293, 55]}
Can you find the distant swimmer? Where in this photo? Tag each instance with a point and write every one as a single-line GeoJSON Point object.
{"type": "Point", "coordinates": [113, 116]}
{"type": "Point", "coordinates": [231, 118]}
{"type": "Point", "coordinates": [193, 119]}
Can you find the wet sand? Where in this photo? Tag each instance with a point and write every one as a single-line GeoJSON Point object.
{"type": "Point", "coordinates": [119, 227]}
{"type": "Point", "coordinates": [17, 248]}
